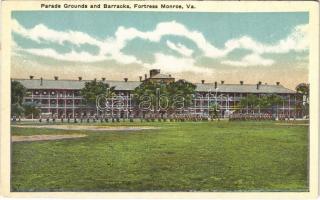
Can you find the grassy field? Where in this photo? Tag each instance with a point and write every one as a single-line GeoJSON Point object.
{"type": "Point", "coordinates": [181, 156]}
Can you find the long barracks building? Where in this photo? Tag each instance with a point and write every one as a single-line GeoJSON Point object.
{"type": "Point", "coordinates": [62, 97]}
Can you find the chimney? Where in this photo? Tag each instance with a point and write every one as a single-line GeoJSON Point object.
{"type": "Point", "coordinates": [202, 81]}
{"type": "Point", "coordinates": [278, 83]}
{"type": "Point", "coordinates": [154, 72]}
{"type": "Point", "coordinates": [95, 79]}
{"type": "Point", "coordinates": [140, 78]}
{"type": "Point", "coordinates": [170, 75]}
{"type": "Point", "coordinates": [125, 79]}
{"type": "Point", "coordinates": [31, 77]}
{"type": "Point", "coordinates": [41, 81]}
{"type": "Point", "coordinates": [56, 78]}
{"type": "Point", "coordinates": [103, 78]}
{"type": "Point", "coordinates": [80, 78]}
{"type": "Point", "coordinates": [241, 82]}
{"type": "Point", "coordinates": [222, 82]}
{"type": "Point", "coordinates": [215, 85]}
{"type": "Point", "coordinates": [145, 76]}
{"type": "Point", "coordinates": [258, 86]}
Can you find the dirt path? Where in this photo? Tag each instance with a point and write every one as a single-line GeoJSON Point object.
{"type": "Point", "coordinates": [291, 124]}
{"type": "Point", "coordinates": [45, 137]}
{"type": "Point", "coordinates": [89, 128]}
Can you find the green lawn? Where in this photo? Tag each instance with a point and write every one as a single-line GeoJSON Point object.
{"type": "Point", "coordinates": [180, 156]}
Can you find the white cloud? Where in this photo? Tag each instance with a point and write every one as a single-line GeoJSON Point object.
{"type": "Point", "coordinates": [41, 33]}
{"type": "Point", "coordinates": [250, 60]}
{"type": "Point", "coordinates": [174, 28]}
{"type": "Point", "coordinates": [173, 64]}
{"type": "Point", "coordinates": [70, 56]}
{"type": "Point", "coordinates": [111, 47]}
{"type": "Point", "coordinates": [80, 56]}
{"type": "Point", "coordinates": [297, 41]}
{"type": "Point", "coordinates": [180, 48]}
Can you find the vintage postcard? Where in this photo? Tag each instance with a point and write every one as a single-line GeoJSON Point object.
{"type": "Point", "coordinates": [130, 99]}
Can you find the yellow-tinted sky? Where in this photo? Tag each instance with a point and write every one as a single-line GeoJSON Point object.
{"type": "Point", "coordinates": [251, 47]}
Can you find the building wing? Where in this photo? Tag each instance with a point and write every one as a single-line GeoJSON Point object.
{"type": "Point", "coordinates": [245, 88]}
{"type": "Point", "coordinates": [74, 84]}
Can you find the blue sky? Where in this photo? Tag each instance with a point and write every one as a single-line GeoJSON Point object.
{"type": "Point", "coordinates": [202, 43]}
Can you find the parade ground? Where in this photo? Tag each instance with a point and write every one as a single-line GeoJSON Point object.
{"type": "Point", "coordinates": [160, 156]}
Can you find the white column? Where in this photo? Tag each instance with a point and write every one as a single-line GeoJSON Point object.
{"type": "Point", "coordinates": [57, 102]}
{"type": "Point", "coordinates": [73, 104]}
{"type": "Point", "coordinates": [247, 103]}
{"type": "Point", "coordinates": [201, 103]}
{"type": "Point", "coordinates": [40, 97]}
{"type": "Point", "coordinates": [259, 105]}
{"type": "Point", "coordinates": [127, 106]}
{"type": "Point", "coordinates": [49, 102]}
{"type": "Point", "coordinates": [65, 104]}
{"type": "Point", "coordinates": [112, 107]}
{"type": "Point", "coordinates": [195, 104]}
{"type": "Point", "coordinates": [228, 102]}
{"type": "Point", "coordinates": [283, 106]}
{"type": "Point", "coordinates": [208, 102]}
{"type": "Point", "coordinates": [234, 101]}
{"type": "Point", "coordinates": [32, 102]}
{"type": "Point", "coordinates": [289, 106]}
{"type": "Point", "coordinates": [295, 105]}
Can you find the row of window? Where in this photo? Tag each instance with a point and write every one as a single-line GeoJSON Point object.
{"type": "Point", "coordinates": [45, 101]}
{"type": "Point", "coordinates": [62, 93]}
{"type": "Point", "coordinates": [198, 95]}
{"type": "Point", "coordinates": [52, 92]}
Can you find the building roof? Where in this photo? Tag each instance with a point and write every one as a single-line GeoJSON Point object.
{"type": "Point", "coordinates": [122, 85]}
{"type": "Point", "coordinates": [131, 85]}
{"type": "Point", "coordinates": [161, 76]}
{"type": "Point", "coordinates": [245, 88]}
{"type": "Point", "coordinates": [74, 84]}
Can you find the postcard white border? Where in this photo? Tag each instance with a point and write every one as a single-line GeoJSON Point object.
{"type": "Point", "coordinates": [202, 6]}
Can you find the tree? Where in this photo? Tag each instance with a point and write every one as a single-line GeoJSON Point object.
{"type": "Point", "coordinates": [303, 90]}
{"type": "Point", "coordinates": [31, 108]}
{"type": "Point", "coordinates": [16, 109]}
{"type": "Point", "coordinates": [155, 95]}
{"type": "Point", "coordinates": [147, 95]}
{"type": "Point", "coordinates": [214, 110]}
{"type": "Point", "coordinates": [18, 91]}
{"type": "Point", "coordinates": [93, 89]}
{"type": "Point", "coordinates": [270, 101]}
{"type": "Point", "coordinates": [250, 101]}
{"type": "Point", "coordinates": [181, 88]}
